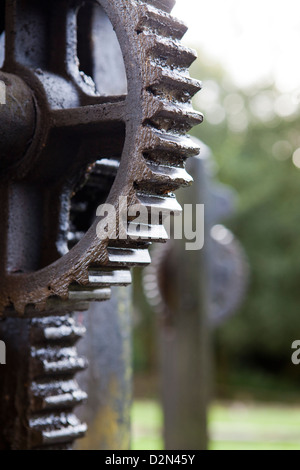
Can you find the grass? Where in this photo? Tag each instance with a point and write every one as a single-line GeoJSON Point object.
{"type": "Point", "coordinates": [147, 419]}
{"type": "Point", "coordinates": [232, 426]}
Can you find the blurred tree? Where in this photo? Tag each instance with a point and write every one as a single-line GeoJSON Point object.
{"type": "Point", "coordinates": [254, 134]}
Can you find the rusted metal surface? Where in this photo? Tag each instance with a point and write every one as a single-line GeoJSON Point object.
{"type": "Point", "coordinates": [17, 120]}
{"type": "Point", "coordinates": [142, 130]}
{"type": "Point", "coordinates": [131, 145]}
{"type": "Point", "coordinates": [107, 345]}
{"type": "Point", "coordinates": [38, 390]}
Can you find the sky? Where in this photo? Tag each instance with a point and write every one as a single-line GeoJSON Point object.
{"type": "Point", "coordinates": [256, 41]}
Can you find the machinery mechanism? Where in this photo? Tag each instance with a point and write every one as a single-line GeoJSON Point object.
{"type": "Point", "coordinates": [98, 104]}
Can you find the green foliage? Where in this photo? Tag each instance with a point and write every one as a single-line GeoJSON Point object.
{"type": "Point", "coordinates": [232, 426]}
{"type": "Point", "coordinates": [241, 426]}
{"type": "Point", "coordinates": [147, 424]}
{"type": "Point", "coordinates": [253, 134]}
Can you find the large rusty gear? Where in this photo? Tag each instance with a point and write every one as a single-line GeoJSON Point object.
{"type": "Point", "coordinates": [132, 145]}
{"type": "Point", "coordinates": [65, 118]}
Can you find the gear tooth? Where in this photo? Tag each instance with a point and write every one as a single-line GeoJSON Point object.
{"type": "Point", "coordinates": [167, 51]}
{"type": "Point", "coordinates": [58, 331]}
{"type": "Point", "coordinates": [53, 365]}
{"type": "Point", "coordinates": [56, 361]}
{"type": "Point", "coordinates": [158, 205]}
{"type": "Point", "coordinates": [164, 178]}
{"type": "Point", "coordinates": [143, 232]}
{"type": "Point", "coordinates": [128, 257]}
{"type": "Point", "coordinates": [166, 5]}
{"type": "Point", "coordinates": [57, 429]}
{"type": "Point", "coordinates": [160, 22]}
{"type": "Point", "coordinates": [168, 116]}
{"type": "Point", "coordinates": [167, 148]}
{"type": "Point", "coordinates": [101, 277]}
{"type": "Point", "coordinates": [163, 81]}
{"type": "Point", "coordinates": [64, 394]}
{"type": "Point", "coordinates": [139, 237]}
{"type": "Point", "coordinates": [78, 293]}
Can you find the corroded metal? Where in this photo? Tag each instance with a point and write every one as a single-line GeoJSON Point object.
{"type": "Point", "coordinates": [108, 379]}
{"type": "Point", "coordinates": [144, 131]}
{"type": "Point", "coordinates": [17, 118]}
{"type": "Point", "coordinates": [41, 388]}
{"type": "Point", "coordinates": [70, 127]}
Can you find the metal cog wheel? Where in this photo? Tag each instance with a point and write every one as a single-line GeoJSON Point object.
{"type": "Point", "coordinates": [64, 129]}
{"type": "Point", "coordinates": [65, 149]}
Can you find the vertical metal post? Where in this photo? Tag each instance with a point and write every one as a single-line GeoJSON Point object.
{"type": "Point", "coordinates": [185, 335]}
{"type": "Point", "coordinates": [108, 380]}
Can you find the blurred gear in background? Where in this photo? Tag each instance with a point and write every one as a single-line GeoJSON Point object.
{"type": "Point", "coordinates": [193, 292]}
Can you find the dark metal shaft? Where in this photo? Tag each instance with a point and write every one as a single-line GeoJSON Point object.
{"type": "Point", "coordinates": [38, 390]}
{"type": "Point", "coordinates": [17, 120]}
{"type": "Point", "coordinates": [107, 345]}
